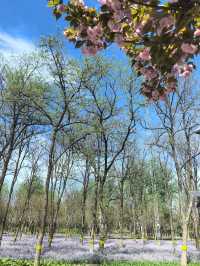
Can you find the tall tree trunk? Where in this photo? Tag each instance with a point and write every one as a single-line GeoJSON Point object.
{"type": "Point", "coordinates": [84, 198]}
{"type": "Point", "coordinates": [46, 201]}
{"type": "Point", "coordinates": [83, 226]}
{"type": "Point", "coordinates": [7, 156]}
{"type": "Point", "coordinates": [26, 204]}
{"type": "Point", "coordinates": [171, 223]}
{"type": "Point", "coordinates": [185, 225]}
{"type": "Point", "coordinates": [95, 208]}
{"type": "Point", "coordinates": [52, 230]}
{"type": "Point", "coordinates": [16, 172]}
{"type": "Point", "coordinates": [53, 226]}
{"type": "Point", "coordinates": [184, 244]}
{"type": "Point", "coordinates": [121, 208]}
{"type": "Point", "coordinates": [102, 219]}
{"type": "Point", "coordinates": [156, 220]}
{"type": "Point", "coordinates": [195, 216]}
{"type": "Point", "coordinates": [21, 225]}
{"type": "Point", "coordinates": [133, 221]}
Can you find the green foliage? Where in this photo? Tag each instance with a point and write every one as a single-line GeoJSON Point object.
{"type": "Point", "coordinates": [8, 262]}
{"type": "Point", "coordinates": [37, 187]}
{"type": "Point", "coordinates": [146, 264]}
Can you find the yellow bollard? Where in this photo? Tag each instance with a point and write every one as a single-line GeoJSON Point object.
{"type": "Point", "coordinates": [101, 244]}
{"type": "Point", "coordinates": [184, 248]}
{"type": "Point", "coordinates": [38, 248]}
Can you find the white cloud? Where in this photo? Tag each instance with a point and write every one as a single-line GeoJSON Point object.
{"type": "Point", "coordinates": [10, 44]}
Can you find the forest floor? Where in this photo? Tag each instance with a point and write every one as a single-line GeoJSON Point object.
{"type": "Point", "coordinates": [72, 250]}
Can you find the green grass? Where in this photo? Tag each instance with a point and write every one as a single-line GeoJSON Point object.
{"type": "Point", "coordinates": [9, 262]}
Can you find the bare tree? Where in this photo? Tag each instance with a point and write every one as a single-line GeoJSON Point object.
{"type": "Point", "coordinates": [35, 155]}
{"type": "Point", "coordinates": [111, 136]}
{"type": "Point", "coordinates": [63, 117]}
{"type": "Point", "coordinates": [177, 116]}
{"type": "Point", "coordinates": [62, 171]}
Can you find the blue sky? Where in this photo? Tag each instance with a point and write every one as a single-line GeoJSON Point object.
{"type": "Point", "coordinates": [29, 18]}
{"type": "Point", "coordinates": [26, 21]}
{"type": "Point", "coordinates": [23, 22]}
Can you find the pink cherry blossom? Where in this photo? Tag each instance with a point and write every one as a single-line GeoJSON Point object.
{"type": "Point", "coordinates": [115, 5]}
{"type": "Point", "coordinates": [61, 8]}
{"type": "Point", "coordinates": [186, 74]}
{"type": "Point", "coordinates": [188, 67]}
{"type": "Point", "coordinates": [186, 70]}
{"type": "Point", "coordinates": [144, 55]}
{"type": "Point", "coordinates": [82, 27]}
{"type": "Point", "coordinates": [155, 95]}
{"type": "Point", "coordinates": [165, 23]}
{"type": "Point", "coordinates": [138, 31]}
{"type": "Point", "coordinates": [103, 2]}
{"type": "Point", "coordinates": [189, 48]}
{"type": "Point", "coordinates": [149, 72]}
{"type": "Point", "coordinates": [176, 69]}
{"type": "Point", "coordinates": [197, 33]}
{"type": "Point", "coordinates": [114, 27]}
{"type": "Point", "coordinates": [119, 15]}
{"type": "Point", "coordinates": [94, 33]}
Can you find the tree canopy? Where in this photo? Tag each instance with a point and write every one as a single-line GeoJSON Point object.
{"type": "Point", "coordinates": [160, 37]}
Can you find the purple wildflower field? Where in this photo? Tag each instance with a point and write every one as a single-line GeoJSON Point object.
{"type": "Point", "coordinates": [70, 249]}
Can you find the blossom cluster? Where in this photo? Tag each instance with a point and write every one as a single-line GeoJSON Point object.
{"type": "Point", "coordinates": [160, 39]}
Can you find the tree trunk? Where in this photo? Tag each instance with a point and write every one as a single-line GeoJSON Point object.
{"type": "Point", "coordinates": [184, 244]}
{"type": "Point", "coordinates": [102, 220]}
{"type": "Point", "coordinates": [185, 225]}
{"type": "Point", "coordinates": [171, 223]}
{"type": "Point", "coordinates": [6, 212]}
{"type": "Point", "coordinates": [84, 198]}
{"type": "Point", "coordinates": [46, 201]}
{"type": "Point", "coordinates": [8, 155]}
{"type": "Point", "coordinates": [196, 226]}
{"type": "Point", "coordinates": [121, 208]}
{"type": "Point", "coordinates": [133, 225]}
{"type": "Point", "coordinates": [16, 172]}
{"type": "Point", "coordinates": [83, 229]}
{"type": "Point", "coordinates": [94, 213]}
{"type": "Point", "coordinates": [134, 229]}
{"type": "Point", "coordinates": [53, 225]}
{"type": "Point", "coordinates": [52, 230]}
{"type": "Point", "coordinates": [19, 228]}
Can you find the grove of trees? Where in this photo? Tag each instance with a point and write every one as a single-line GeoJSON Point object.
{"type": "Point", "coordinates": [82, 152]}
